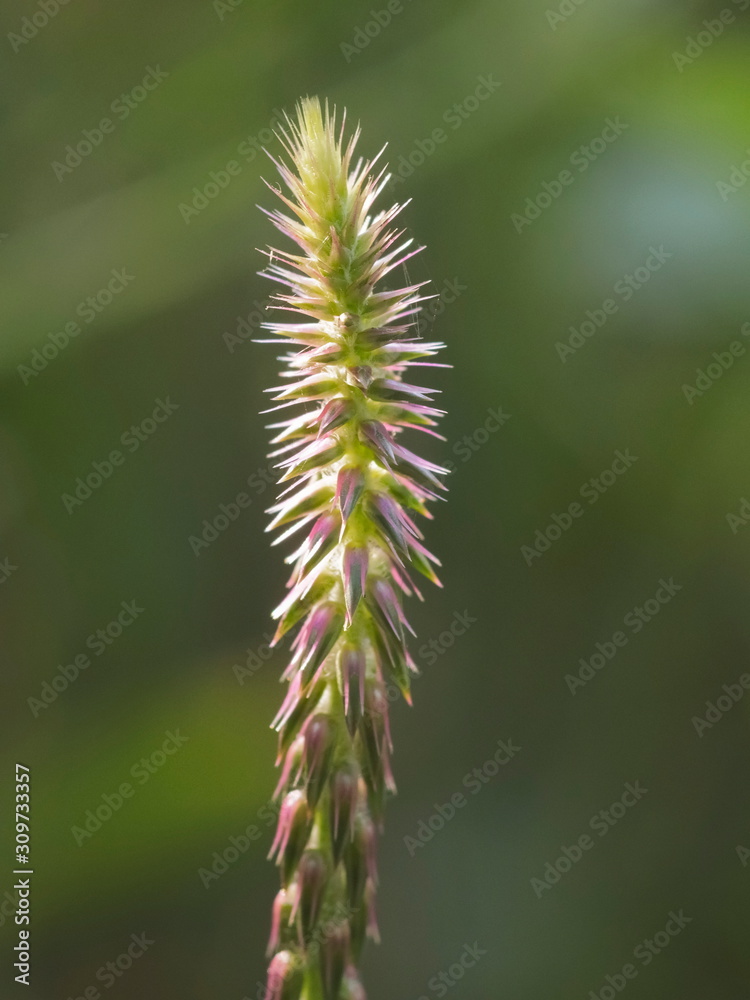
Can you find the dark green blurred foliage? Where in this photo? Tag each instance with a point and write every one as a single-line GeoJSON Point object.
{"type": "Point", "coordinates": [163, 338]}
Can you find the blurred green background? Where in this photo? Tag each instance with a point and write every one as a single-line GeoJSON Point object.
{"type": "Point", "coordinates": [170, 334]}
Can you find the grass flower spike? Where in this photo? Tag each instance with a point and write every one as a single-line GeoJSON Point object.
{"type": "Point", "coordinates": [351, 495]}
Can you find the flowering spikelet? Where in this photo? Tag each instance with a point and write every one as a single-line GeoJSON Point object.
{"type": "Point", "coordinates": [355, 489]}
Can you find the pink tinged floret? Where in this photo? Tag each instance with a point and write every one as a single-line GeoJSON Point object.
{"type": "Point", "coordinates": [318, 544]}
{"type": "Point", "coordinates": [418, 547]}
{"type": "Point", "coordinates": [376, 711]}
{"type": "Point", "coordinates": [305, 451]}
{"type": "Point", "coordinates": [335, 413]}
{"type": "Point", "coordinates": [317, 638]}
{"type": "Point", "coordinates": [350, 485]}
{"type": "Point", "coordinates": [291, 831]}
{"type": "Point", "coordinates": [352, 667]}
{"type": "Point", "coordinates": [387, 602]}
{"type": "Point", "coordinates": [320, 740]}
{"type": "Point", "coordinates": [354, 573]}
{"type": "Point", "coordinates": [391, 658]}
{"type": "Point", "coordinates": [423, 430]}
{"type": "Point", "coordinates": [387, 390]}
{"type": "Point", "coordinates": [418, 462]}
{"type": "Point", "coordinates": [422, 559]}
{"type": "Point", "coordinates": [312, 877]}
{"type": "Point", "coordinates": [402, 579]}
{"type": "Point", "coordinates": [368, 845]}
{"type": "Point", "coordinates": [377, 437]}
{"type": "Point", "coordinates": [395, 525]}
{"type": "Point", "coordinates": [285, 978]}
{"type": "Point", "coordinates": [314, 458]}
{"type": "Point", "coordinates": [344, 795]}
{"type": "Point", "coordinates": [280, 917]}
{"type": "Point", "coordinates": [353, 988]}
{"type": "Point", "coordinates": [295, 599]}
{"type": "Point", "coordinates": [293, 762]}
{"type": "Point", "coordinates": [319, 384]}
{"type": "Point", "coordinates": [325, 528]}
{"type": "Point", "coordinates": [420, 410]}
{"type": "Point", "coordinates": [292, 699]}
{"type": "Point", "coordinates": [334, 956]}
{"type": "Point", "coordinates": [360, 376]}
{"type": "Point", "coordinates": [419, 473]}
{"type": "Point", "coordinates": [355, 864]}
{"type": "Point", "coordinates": [373, 932]}
{"type": "Point", "coordinates": [310, 500]}
{"type": "Point", "coordinates": [376, 761]}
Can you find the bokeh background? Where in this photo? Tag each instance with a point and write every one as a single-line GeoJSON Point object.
{"type": "Point", "coordinates": [171, 334]}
